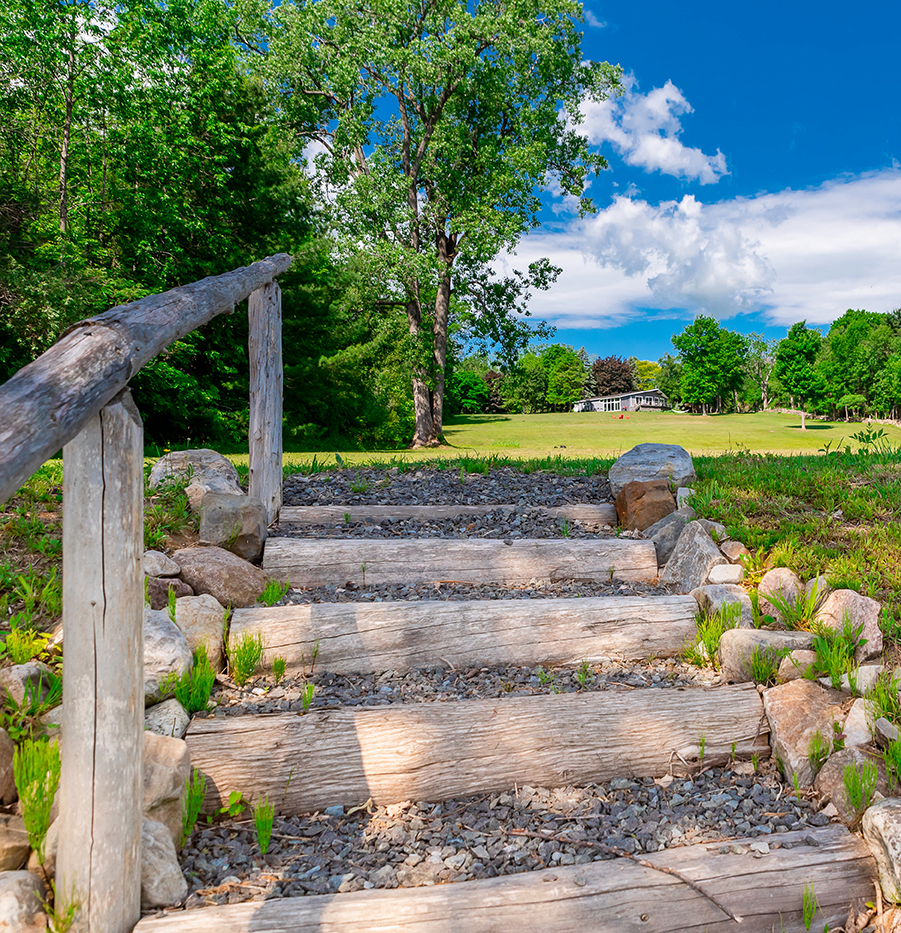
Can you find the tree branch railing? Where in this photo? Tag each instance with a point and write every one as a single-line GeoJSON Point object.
{"type": "Point", "coordinates": [76, 396]}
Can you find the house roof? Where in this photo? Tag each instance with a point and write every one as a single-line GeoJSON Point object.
{"type": "Point", "coordinates": [601, 398]}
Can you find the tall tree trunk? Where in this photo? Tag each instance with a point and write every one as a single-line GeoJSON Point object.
{"type": "Point", "coordinates": [446, 255]}
{"type": "Point", "coordinates": [803, 419]}
{"type": "Point", "coordinates": [424, 433]}
{"type": "Point", "coordinates": [764, 396]}
{"type": "Point", "coordinates": [64, 146]}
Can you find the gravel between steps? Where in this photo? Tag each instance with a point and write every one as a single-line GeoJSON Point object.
{"type": "Point", "coordinates": [431, 486]}
{"type": "Point", "coordinates": [412, 844]}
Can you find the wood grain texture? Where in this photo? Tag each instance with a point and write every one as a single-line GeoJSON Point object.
{"type": "Point", "coordinates": [365, 637]}
{"type": "Point", "coordinates": [436, 750]}
{"type": "Point", "coordinates": [602, 514]}
{"type": "Point", "coordinates": [264, 310]}
{"type": "Point", "coordinates": [103, 677]}
{"type": "Point", "coordinates": [615, 896]}
{"type": "Point", "coordinates": [48, 402]}
{"type": "Point", "coordinates": [322, 561]}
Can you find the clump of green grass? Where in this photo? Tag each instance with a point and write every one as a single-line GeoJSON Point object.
{"type": "Point", "coordinates": [835, 650]}
{"type": "Point", "coordinates": [167, 511]}
{"type": "Point", "coordinates": [36, 767]}
{"type": "Point", "coordinates": [884, 699]}
{"type": "Point", "coordinates": [818, 750]}
{"type": "Point", "coordinates": [263, 815]}
{"type": "Point", "coordinates": [765, 663]}
{"type": "Point", "coordinates": [274, 592]}
{"type": "Point", "coordinates": [193, 688]}
{"type": "Point", "coordinates": [703, 650]}
{"type": "Point", "coordinates": [278, 667]}
{"type": "Point", "coordinates": [891, 759]}
{"type": "Point", "coordinates": [797, 614]}
{"type": "Point", "coordinates": [195, 790]}
{"type": "Point", "coordinates": [860, 785]}
{"type": "Point", "coordinates": [244, 657]}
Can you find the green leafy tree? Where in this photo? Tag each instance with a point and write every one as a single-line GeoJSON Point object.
{"type": "Point", "coordinates": [565, 375]}
{"type": "Point", "coordinates": [712, 362]}
{"type": "Point", "coordinates": [437, 125]}
{"type": "Point", "coordinates": [524, 389]}
{"type": "Point", "coordinates": [646, 373]}
{"type": "Point", "coordinates": [796, 358]}
{"type": "Point", "coordinates": [760, 362]}
{"type": "Point", "coordinates": [669, 380]}
{"type": "Point", "coordinates": [589, 383]}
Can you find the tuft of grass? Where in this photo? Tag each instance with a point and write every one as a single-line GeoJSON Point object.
{"type": "Point", "coordinates": [263, 815]}
{"type": "Point", "coordinates": [809, 906]}
{"type": "Point", "coordinates": [818, 750]}
{"type": "Point", "coordinates": [244, 658]}
{"type": "Point", "coordinates": [835, 650]}
{"type": "Point", "coordinates": [799, 613]}
{"type": "Point", "coordinates": [884, 697]}
{"type": "Point", "coordinates": [195, 790]}
{"type": "Point", "coordinates": [891, 759]}
{"type": "Point", "coordinates": [860, 785]}
{"type": "Point", "coordinates": [274, 592]}
{"type": "Point", "coordinates": [36, 767]}
{"type": "Point", "coordinates": [195, 685]}
{"type": "Point", "coordinates": [278, 667]}
{"type": "Point", "coordinates": [765, 664]}
{"type": "Point", "coordinates": [702, 651]}
{"type": "Point", "coordinates": [306, 696]}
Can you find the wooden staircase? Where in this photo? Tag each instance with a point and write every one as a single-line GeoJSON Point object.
{"type": "Point", "coordinates": [434, 751]}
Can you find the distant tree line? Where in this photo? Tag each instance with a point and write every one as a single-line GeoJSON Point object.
{"type": "Point", "coordinates": [852, 371]}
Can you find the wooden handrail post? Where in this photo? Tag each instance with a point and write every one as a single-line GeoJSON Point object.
{"type": "Point", "coordinates": [99, 864]}
{"type": "Point", "coordinates": [264, 308]}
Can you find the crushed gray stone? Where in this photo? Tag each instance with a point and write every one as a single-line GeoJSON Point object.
{"type": "Point", "coordinates": [417, 843]}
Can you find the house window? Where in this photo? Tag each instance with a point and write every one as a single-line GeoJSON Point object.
{"type": "Point", "coordinates": [612, 404]}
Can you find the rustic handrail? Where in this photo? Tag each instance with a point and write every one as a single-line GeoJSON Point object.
{"type": "Point", "coordinates": [49, 401]}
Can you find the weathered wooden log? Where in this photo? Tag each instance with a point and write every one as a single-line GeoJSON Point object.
{"type": "Point", "coordinates": [602, 897]}
{"type": "Point", "coordinates": [603, 513]}
{"type": "Point", "coordinates": [103, 678]}
{"type": "Point", "coordinates": [49, 401]}
{"type": "Point", "coordinates": [431, 751]}
{"type": "Point", "coordinates": [323, 561]}
{"type": "Point", "coordinates": [362, 637]}
{"type": "Point", "coordinates": [264, 309]}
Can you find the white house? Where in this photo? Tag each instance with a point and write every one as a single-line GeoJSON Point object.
{"type": "Point", "coordinates": [646, 400]}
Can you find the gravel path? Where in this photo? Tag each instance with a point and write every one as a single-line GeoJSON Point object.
{"type": "Point", "coordinates": [411, 844]}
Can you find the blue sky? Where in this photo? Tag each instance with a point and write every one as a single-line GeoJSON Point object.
{"type": "Point", "coordinates": [755, 174]}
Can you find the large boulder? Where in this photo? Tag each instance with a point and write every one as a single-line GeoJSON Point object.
{"type": "Point", "coordinates": [203, 469]}
{"type": "Point", "coordinates": [166, 652]}
{"type": "Point", "coordinates": [796, 711]}
{"type": "Point", "coordinates": [694, 556]}
{"type": "Point", "coordinates": [236, 523]}
{"type": "Point", "coordinates": [167, 767]}
{"type": "Point", "coordinates": [737, 647]}
{"type": "Point", "coordinates": [232, 581]}
{"type": "Point", "coordinates": [652, 461]}
{"type": "Point", "coordinates": [882, 831]}
{"type": "Point", "coordinates": [864, 614]}
{"type": "Point", "coordinates": [21, 896]}
{"type": "Point", "coordinates": [162, 882]}
{"type": "Point", "coordinates": [201, 620]}
{"type": "Point", "coordinates": [667, 532]}
{"type": "Point", "coordinates": [640, 505]}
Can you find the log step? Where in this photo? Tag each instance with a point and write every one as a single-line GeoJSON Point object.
{"type": "Point", "coordinates": [324, 561]}
{"type": "Point", "coordinates": [616, 896]}
{"type": "Point", "coordinates": [368, 637]}
{"type": "Point", "coordinates": [602, 514]}
{"type": "Point", "coordinates": [436, 750]}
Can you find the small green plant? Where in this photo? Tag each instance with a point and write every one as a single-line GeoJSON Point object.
{"type": "Point", "coordinates": [755, 761]}
{"type": "Point", "coordinates": [799, 613]}
{"type": "Point", "coordinates": [544, 677]}
{"type": "Point", "coordinates": [835, 650]}
{"type": "Point", "coordinates": [195, 791]}
{"type": "Point", "coordinates": [263, 815]}
{"type": "Point", "coordinates": [195, 685]}
{"type": "Point", "coordinates": [891, 758]}
{"type": "Point", "coordinates": [564, 527]}
{"type": "Point", "coordinates": [274, 592]}
{"type": "Point", "coordinates": [583, 675]}
{"type": "Point", "coordinates": [236, 805]}
{"type": "Point", "coordinates": [838, 737]}
{"type": "Point", "coordinates": [809, 905]}
{"type": "Point", "coordinates": [703, 650]}
{"type": "Point", "coordinates": [278, 667]}
{"type": "Point", "coordinates": [860, 785]}
{"type": "Point", "coordinates": [306, 695]}
{"type": "Point", "coordinates": [702, 747]}
{"type": "Point", "coordinates": [818, 749]}
{"type": "Point", "coordinates": [765, 664]}
{"type": "Point", "coordinates": [171, 604]}
{"type": "Point", "coordinates": [23, 645]}
{"type": "Point", "coordinates": [36, 766]}
{"type": "Point", "coordinates": [22, 720]}
{"type": "Point", "coordinates": [314, 655]}
{"type": "Point", "coordinates": [796, 783]}
{"type": "Point", "coordinates": [884, 697]}
{"type": "Point", "coordinates": [244, 657]}
{"type": "Point", "coordinates": [61, 912]}
{"type": "Point", "coordinates": [360, 485]}
{"type": "Point", "coordinates": [347, 518]}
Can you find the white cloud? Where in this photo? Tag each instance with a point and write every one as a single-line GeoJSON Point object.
{"type": "Point", "coordinates": [645, 128]}
{"type": "Point", "coordinates": [592, 20]}
{"type": "Point", "coordinates": [794, 255]}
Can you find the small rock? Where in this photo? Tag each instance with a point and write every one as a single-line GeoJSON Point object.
{"type": "Point", "coordinates": [162, 883]}
{"type": "Point", "coordinates": [796, 664]}
{"type": "Point", "coordinates": [737, 647]}
{"type": "Point", "coordinates": [200, 619]}
{"type": "Point", "coordinates": [712, 598]}
{"type": "Point", "coordinates": [694, 556]}
{"type": "Point", "coordinates": [236, 523]}
{"type": "Point", "coordinates": [885, 733]}
{"type": "Point", "coordinates": [206, 470]}
{"type": "Point", "coordinates": [156, 564]}
{"type": "Point", "coordinates": [20, 903]}
{"type": "Point", "coordinates": [234, 582]}
{"type": "Point", "coordinates": [35, 675]}
{"type": "Point", "coordinates": [667, 531]}
{"type": "Point", "coordinates": [726, 573]}
{"type": "Point", "coordinates": [14, 847]}
{"type": "Point", "coordinates": [652, 461]}
{"type": "Point", "coordinates": [822, 587]}
{"type": "Point", "coordinates": [830, 781]}
{"type": "Point", "coordinates": [734, 551]}
{"type": "Point", "coordinates": [864, 614]}
{"type": "Point", "coordinates": [167, 767]}
{"type": "Point", "coordinates": [858, 727]}
{"type": "Point", "coordinates": [168, 718]}
{"type": "Point", "coordinates": [166, 653]}
{"type": "Point", "coordinates": [158, 590]}
{"type": "Point", "coordinates": [640, 505]}
{"type": "Point", "coordinates": [781, 582]}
